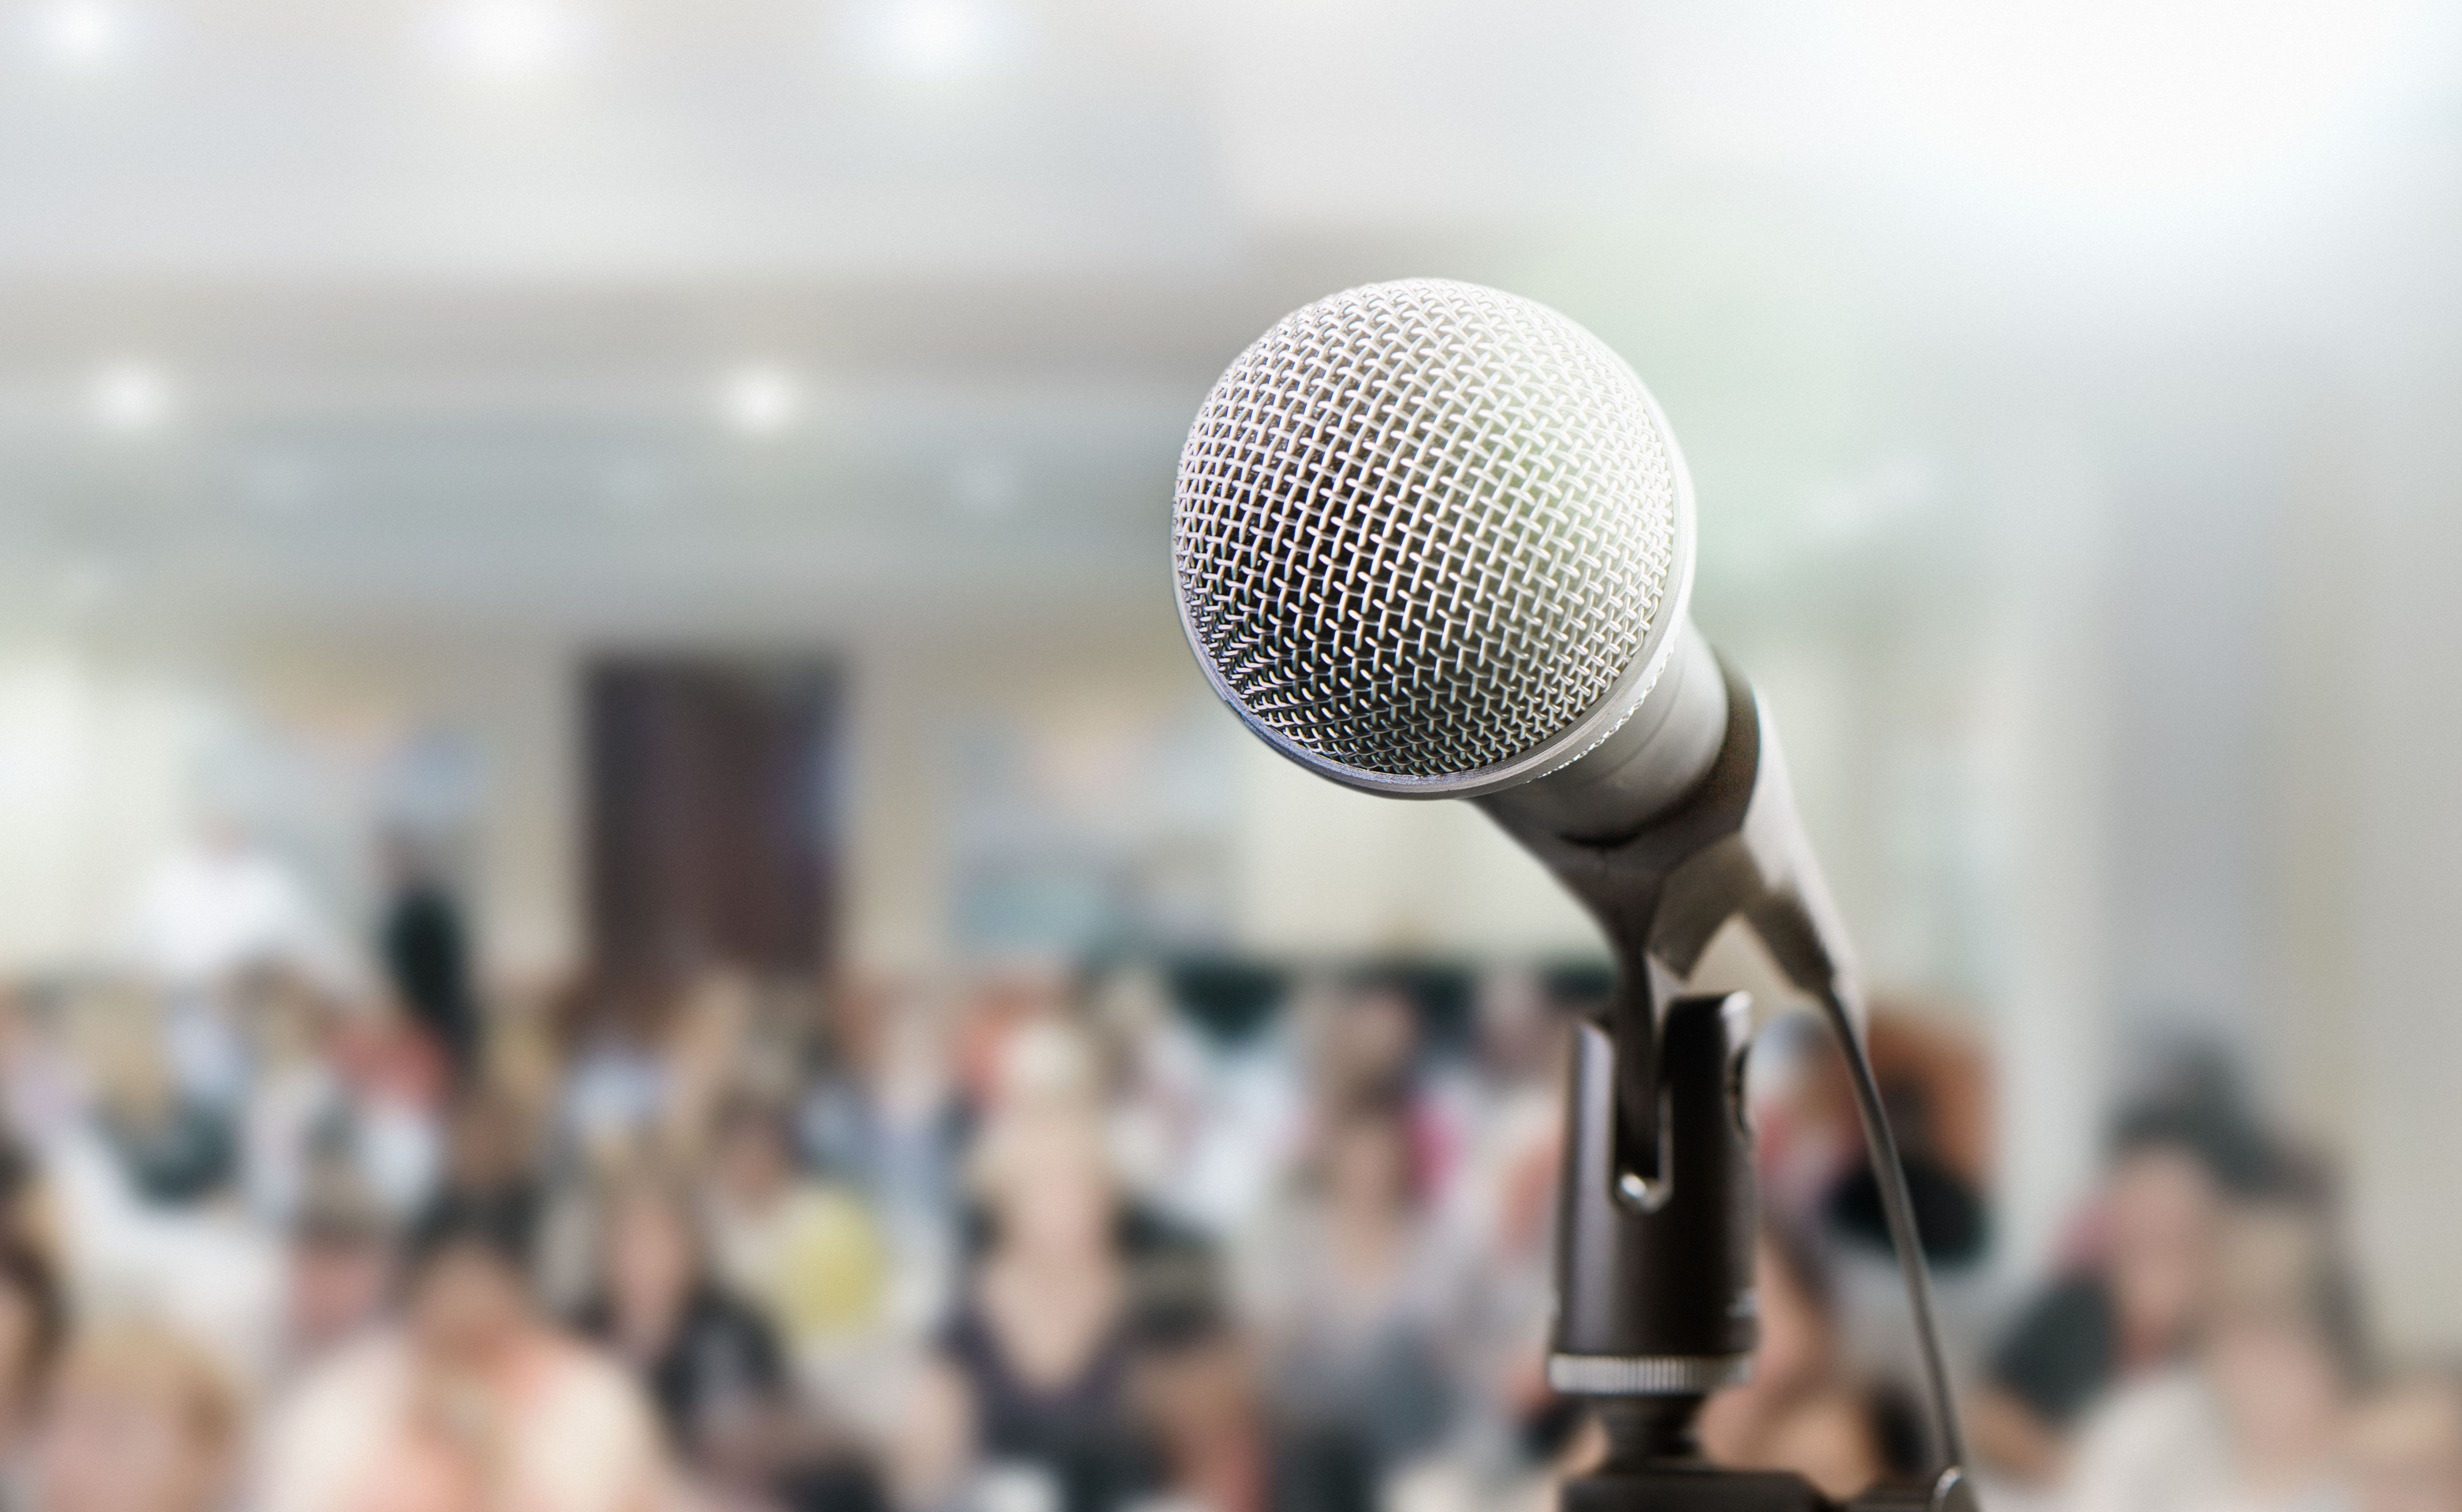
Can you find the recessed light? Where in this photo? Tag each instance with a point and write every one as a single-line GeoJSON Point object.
{"type": "Point", "coordinates": [131, 398]}
{"type": "Point", "coordinates": [761, 399]}
{"type": "Point", "coordinates": [934, 38]}
{"type": "Point", "coordinates": [82, 35]}
{"type": "Point", "coordinates": [512, 41]}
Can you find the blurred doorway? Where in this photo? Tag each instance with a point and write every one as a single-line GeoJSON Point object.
{"type": "Point", "coordinates": [713, 837]}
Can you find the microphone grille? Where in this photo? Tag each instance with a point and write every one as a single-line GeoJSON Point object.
{"type": "Point", "coordinates": [1422, 529]}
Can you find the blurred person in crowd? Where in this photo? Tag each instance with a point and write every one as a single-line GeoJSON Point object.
{"type": "Point", "coordinates": [220, 903]}
{"type": "Point", "coordinates": [614, 1094]}
{"type": "Point", "coordinates": [711, 1362]}
{"type": "Point", "coordinates": [396, 1086]}
{"type": "Point", "coordinates": [210, 909]}
{"type": "Point", "coordinates": [1362, 1295]}
{"type": "Point", "coordinates": [1028, 1376]}
{"type": "Point", "coordinates": [43, 1087]}
{"type": "Point", "coordinates": [1506, 1196]}
{"type": "Point", "coordinates": [807, 1251]}
{"type": "Point", "coordinates": [2129, 1311]}
{"type": "Point", "coordinates": [1211, 1100]}
{"type": "Point", "coordinates": [474, 1402]}
{"type": "Point", "coordinates": [170, 1146]}
{"type": "Point", "coordinates": [30, 1213]}
{"type": "Point", "coordinates": [339, 1270]}
{"type": "Point", "coordinates": [140, 1189]}
{"type": "Point", "coordinates": [1936, 1085]}
{"type": "Point", "coordinates": [882, 1112]}
{"type": "Point", "coordinates": [141, 1419]}
{"type": "Point", "coordinates": [296, 1104]}
{"type": "Point", "coordinates": [705, 1052]}
{"type": "Point", "coordinates": [2406, 1444]}
{"type": "Point", "coordinates": [1801, 1411]}
{"type": "Point", "coordinates": [425, 947]}
{"type": "Point", "coordinates": [489, 1153]}
{"type": "Point", "coordinates": [33, 1327]}
{"type": "Point", "coordinates": [1219, 1447]}
{"type": "Point", "coordinates": [2252, 1421]}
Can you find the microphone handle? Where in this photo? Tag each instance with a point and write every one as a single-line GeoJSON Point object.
{"type": "Point", "coordinates": [1731, 848]}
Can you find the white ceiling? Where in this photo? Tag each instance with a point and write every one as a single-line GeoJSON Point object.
{"type": "Point", "coordinates": [438, 341]}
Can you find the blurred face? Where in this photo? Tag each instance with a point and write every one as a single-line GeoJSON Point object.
{"type": "Point", "coordinates": [337, 1286]}
{"type": "Point", "coordinates": [1373, 1041]}
{"type": "Point", "coordinates": [111, 1448]}
{"type": "Point", "coordinates": [1368, 1166]}
{"type": "Point", "coordinates": [1055, 1201]}
{"type": "Point", "coordinates": [1198, 1393]}
{"type": "Point", "coordinates": [649, 1261]}
{"type": "Point", "coordinates": [2277, 1382]}
{"type": "Point", "coordinates": [469, 1306]}
{"type": "Point", "coordinates": [2406, 1450]}
{"type": "Point", "coordinates": [483, 1147]}
{"type": "Point", "coordinates": [2163, 1213]}
{"type": "Point", "coordinates": [753, 1162]}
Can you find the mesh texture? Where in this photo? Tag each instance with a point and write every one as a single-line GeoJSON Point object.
{"type": "Point", "coordinates": [1420, 527]}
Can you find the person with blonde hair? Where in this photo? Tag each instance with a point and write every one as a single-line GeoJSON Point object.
{"type": "Point", "coordinates": [1029, 1377]}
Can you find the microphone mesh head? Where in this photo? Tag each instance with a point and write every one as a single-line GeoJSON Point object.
{"type": "Point", "coordinates": [1423, 528]}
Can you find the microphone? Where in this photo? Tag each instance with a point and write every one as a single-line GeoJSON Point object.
{"type": "Point", "coordinates": [1436, 541]}
{"type": "Point", "coordinates": [1432, 540]}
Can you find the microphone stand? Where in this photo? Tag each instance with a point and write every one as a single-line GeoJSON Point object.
{"type": "Point", "coordinates": [1656, 1216]}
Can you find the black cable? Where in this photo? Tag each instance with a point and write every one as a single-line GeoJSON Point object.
{"type": "Point", "coordinates": [1898, 1207]}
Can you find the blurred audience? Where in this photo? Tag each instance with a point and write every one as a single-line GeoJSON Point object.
{"type": "Point", "coordinates": [805, 1250]}
{"type": "Point", "coordinates": [2128, 1309]}
{"type": "Point", "coordinates": [1220, 1441]}
{"type": "Point", "coordinates": [1209, 1238]}
{"type": "Point", "coordinates": [1361, 1297]}
{"type": "Point", "coordinates": [426, 951]}
{"type": "Point", "coordinates": [1029, 1374]}
{"type": "Point", "coordinates": [33, 1328]}
{"type": "Point", "coordinates": [473, 1401]}
{"type": "Point", "coordinates": [711, 1363]}
{"type": "Point", "coordinates": [1801, 1411]}
{"type": "Point", "coordinates": [141, 1419]}
{"type": "Point", "coordinates": [340, 1273]}
{"type": "Point", "coordinates": [2251, 1419]}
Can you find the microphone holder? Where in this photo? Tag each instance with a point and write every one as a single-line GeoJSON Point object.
{"type": "Point", "coordinates": [1657, 1217]}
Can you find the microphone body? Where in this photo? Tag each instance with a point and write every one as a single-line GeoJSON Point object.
{"type": "Point", "coordinates": [1652, 761]}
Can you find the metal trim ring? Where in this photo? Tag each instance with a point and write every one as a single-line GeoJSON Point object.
{"type": "Point", "coordinates": [1646, 1376]}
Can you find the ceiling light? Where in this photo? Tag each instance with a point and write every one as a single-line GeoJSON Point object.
{"type": "Point", "coordinates": [760, 401]}
{"type": "Point", "coordinates": [932, 38]}
{"type": "Point", "coordinates": [82, 35]}
{"type": "Point", "coordinates": [131, 398]}
{"type": "Point", "coordinates": [512, 41]}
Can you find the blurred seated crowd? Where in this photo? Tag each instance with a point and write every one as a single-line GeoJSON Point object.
{"type": "Point", "coordinates": [1205, 1237]}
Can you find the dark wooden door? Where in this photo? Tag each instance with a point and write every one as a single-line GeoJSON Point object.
{"type": "Point", "coordinates": [713, 836]}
